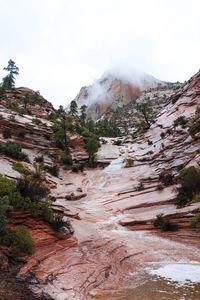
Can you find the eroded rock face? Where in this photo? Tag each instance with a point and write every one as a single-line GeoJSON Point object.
{"type": "Point", "coordinates": [113, 91]}
{"type": "Point", "coordinates": [26, 98]}
{"type": "Point", "coordinates": [113, 237]}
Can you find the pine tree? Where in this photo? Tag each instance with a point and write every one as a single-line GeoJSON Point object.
{"type": "Point", "coordinates": [83, 113]}
{"type": "Point", "coordinates": [9, 80]}
{"type": "Point", "coordinates": [92, 147]}
{"type": "Point", "coordinates": [73, 108]}
{"type": "Point", "coordinates": [145, 111]}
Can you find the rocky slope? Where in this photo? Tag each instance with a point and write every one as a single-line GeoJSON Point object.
{"type": "Point", "coordinates": [114, 90]}
{"type": "Point", "coordinates": [126, 117]}
{"type": "Point", "coordinates": [115, 247]}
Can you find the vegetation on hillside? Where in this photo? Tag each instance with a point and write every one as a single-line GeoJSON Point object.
{"type": "Point", "coordinates": [195, 124]}
{"type": "Point", "coordinates": [30, 194]}
{"type": "Point", "coordinates": [164, 224]}
{"type": "Point", "coordinates": [189, 180]}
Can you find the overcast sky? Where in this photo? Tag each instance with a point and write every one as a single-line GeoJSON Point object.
{"type": "Point", "coordinates": [62, 45]}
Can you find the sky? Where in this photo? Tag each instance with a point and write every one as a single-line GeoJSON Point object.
{"type": "Point", "coordinates": [62, 45]}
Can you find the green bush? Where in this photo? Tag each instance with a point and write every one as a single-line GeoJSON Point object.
{"type": "Point", "coordinates": [195, 125]}
{"type": "Point", "coordinates": [140, 187]}
{"type": "Point", "coordinates": [7, 186]}
{"type": "Point", "coordinates": [17, 166]}
{"type": "Point", "coordinates": [162, 135]}
{"type": "Point", "coordinates": [195, 221]}
{"type": "Point", "coordinates": [166, 178]}
{"type": "Point", "coordinates": [6, 134]}
{"type": "Point", "coordinates": [189, 179]}
{"type": "Point", "coordinates": [65, 158]}
{"type": "Point", "coordinates": [13, 150]}
{"type": "Point", "coordinates": [118, 142]}
{"type": "Point", "coordinates": [164, 224]}
{"type": "Point", "coordinates": [18, 241]}
{"type": "Point", "coordinates": [15, 107]}
{"type": "Point", "coordinates": [4, 208]}
{"type": "Point", "coordinates": [180, 121]}
{"type": "Point", "coordinates": [53, 170]}
{"type": "Point", "coordinates": [149, 142]}
{"type": "Point", "coordinates": [48, 214]}
{"type": "Point", "coordinates": [36, 121]}
{"type": "Point", "coordinates": [20, 203]}
{"type": "Point", "coordinates": [3, 222]}
{"type": "Point", "coordinates": [32, 187]}
{"type": "Point", "coordinates": [129, 162]}
{"type": "Point", "coordinates": [39, 159]}
{"type": "Point", "coordinates": [58, 223]}
{"type": "Point", "coordinates": [169, 131]}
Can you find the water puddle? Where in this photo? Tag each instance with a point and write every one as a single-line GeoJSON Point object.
{"type": "Point", "coordinates": [115, 165]}
{"type": "Point", "coordinates": [182, 273]}
{"type": "Point", "coordinates": [173, 281]}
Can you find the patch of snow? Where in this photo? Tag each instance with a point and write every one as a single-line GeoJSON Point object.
{"type": "Point", "coordinates": [180, 272]}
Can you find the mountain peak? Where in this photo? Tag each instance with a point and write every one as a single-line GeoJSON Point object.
{"type": "Point", "coordinates": [116, 87]}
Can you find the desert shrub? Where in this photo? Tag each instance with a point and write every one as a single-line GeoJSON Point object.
{"type": "Point", "coordinates": [57, 222]}
{"type": "Point", "coordinates": [7, 186]}
{"type": "Point", "coordinates": [17, 166]}
{"type": "Point", "coordinates": [19, 241]}
{"type": "Point", "coordinates": [15, 107]}
{"type": "Point", "coordinates": [149, 142]}
{"type": "Point", "coordinates": [32, 187]}
{"type": "Point", "coordinates": [6, 134]}
{"type": "Point", "coordinates": [129, 162]}
{"type": "Point", "coordinates": [20, 203]}
{"type": "Point", "coordinates": [189, 179]}
{"type": "Point", "coordinates": [140, 187]}
{"type": "Point", "coordinates": [3, 222]}
{"type": "Point", "coordinates": [169, 131]}
{"type": "Point", "coordinates": [160, 187]}
{"type": "Point", "coordinates": [13, 150]}
{"type": "Point", "coordinates": [39, 159]}
{"type": "Point", "coordinates": [166, 178]}
{"type": "Point", "coordinates": [195, 221]}
{"type": "Point", "coordinates": [4, 209]}
{"type": "Point", "coordinates": [48, 214]}
{"type": "Point", "coordinates": [169, 226]}
{"type": "Point", "coordinates": [12, 118]}
{"type": "Point", "coordinates": [118, 142]}
{"type": "Point", "coordinates": [36, 121]}
{"type": "Point", "coordinates": [21, 134]}
{"type": "Point", "coordinates": [162, 135]}
{"type": "Point", "coordinates": [65, 158]}
{"type": "Point", "coordinates": [195, 125]}
{"type": "Point", "coordinates": [164, 224]}
{"type": "Point", "coordinates": [53, 170]}
{"type": "Point", "coordinates": [78, 167]}
{"type": "Point", "coordinates": [182, 121]}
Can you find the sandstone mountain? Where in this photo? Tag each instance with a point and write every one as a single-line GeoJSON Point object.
{"type": "Point", "coordinates": [116, 89]}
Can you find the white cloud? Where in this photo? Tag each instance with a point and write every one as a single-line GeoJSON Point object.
{"type": "Point", "coordinates": [61, 45]}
